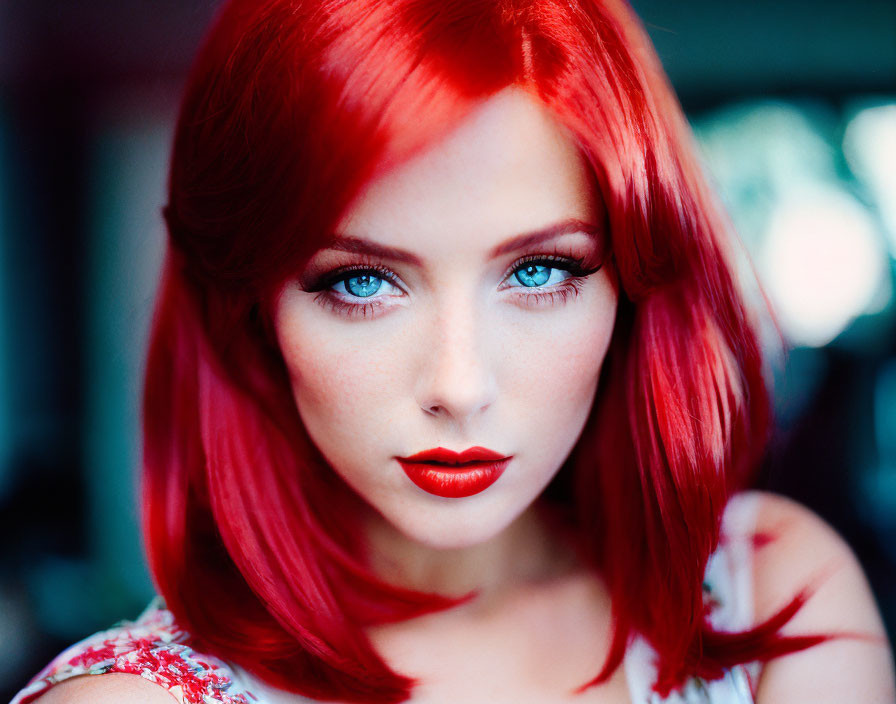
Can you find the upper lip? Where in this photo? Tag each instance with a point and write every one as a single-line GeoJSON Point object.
{"type": "Point", "coordinates": [442, 455]}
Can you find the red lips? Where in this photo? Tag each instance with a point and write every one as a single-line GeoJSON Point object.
{"type": "Point", "coordinates": [450, 474]}
{"type": "Point", "coordinates": [442, 455]}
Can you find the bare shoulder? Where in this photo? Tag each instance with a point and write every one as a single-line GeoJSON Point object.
{"type": "Point", "coordinates": [110, 688]}
{"type": "Point", "coordinates": [797, 550]}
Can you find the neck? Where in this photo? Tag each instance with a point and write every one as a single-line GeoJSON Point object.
{"type": "Point", "coordinates": [527, 552]}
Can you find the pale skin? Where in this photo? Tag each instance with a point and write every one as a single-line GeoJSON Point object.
{"type": "Point", "coordinates": [447, 359]}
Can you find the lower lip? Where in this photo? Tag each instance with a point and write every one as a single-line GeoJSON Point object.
{"type": "Point", "coordinates": [454, 482]}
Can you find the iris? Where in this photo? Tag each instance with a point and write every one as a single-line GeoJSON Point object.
{"type": "Point", "coordinates": [534, 275]}
{"type": "Point", "coordinates": [363, 286]}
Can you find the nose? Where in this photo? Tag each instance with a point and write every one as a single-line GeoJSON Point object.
{"type": "Point", "coordinates": [457, 379]}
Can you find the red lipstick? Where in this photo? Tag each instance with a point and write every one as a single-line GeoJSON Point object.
{"type": "Point", "coordinates": [454, 475]}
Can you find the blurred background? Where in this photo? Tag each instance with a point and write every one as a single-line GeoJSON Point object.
{"type": "Point", "coordinates": [794, 106]}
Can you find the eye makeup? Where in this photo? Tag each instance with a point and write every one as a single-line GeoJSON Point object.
{"type": "Point", "coordinates": [342, 302]}
{"type": "Point", "coordinates": [323, 285]}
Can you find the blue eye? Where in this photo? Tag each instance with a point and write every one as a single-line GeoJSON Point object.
{"type": "Point", "coordinates": [542, 272]}
{"type": "Point", "coordinates": [364, 285]}
{"type": "Point", "coordinates": [360, 282]}
{"type": "Point", "coordinates": [534, 275]}
{"type": "Point", "coordinates": [367, 290]}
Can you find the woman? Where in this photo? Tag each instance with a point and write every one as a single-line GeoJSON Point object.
{"type": "Point", "coordinates": [451, 389]}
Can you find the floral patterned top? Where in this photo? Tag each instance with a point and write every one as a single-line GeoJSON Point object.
{"type": "Point", "coordinates": [153, 647]}
{"type": "Point", "coordinates": [156, 648]}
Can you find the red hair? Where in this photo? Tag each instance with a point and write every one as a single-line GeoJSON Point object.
{"type": "Point", "coordinates": [292, 106]}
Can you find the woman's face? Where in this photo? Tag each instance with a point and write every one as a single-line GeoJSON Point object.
{"type": "Point", "coordinates": [469, 303]}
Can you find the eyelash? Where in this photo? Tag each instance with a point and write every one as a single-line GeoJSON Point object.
{"type": "Point", "coordinates": [567, 288]}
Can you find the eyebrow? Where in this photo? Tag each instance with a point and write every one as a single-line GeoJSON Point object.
{"type": "Point", "coordinates": [536, 237]}
{"type": "Point", "coordinates": [357, 245]}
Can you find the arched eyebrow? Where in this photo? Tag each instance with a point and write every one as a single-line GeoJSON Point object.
{"type": "Point", "coordinates": [537, 237]}
{"type": "Point", "coordinates": [358, 245]}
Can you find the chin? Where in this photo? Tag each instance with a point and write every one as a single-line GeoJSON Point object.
{"type": "Point", "coordinates": [449, 540]}
{"type": "Point", "coordinates": [453, 530]}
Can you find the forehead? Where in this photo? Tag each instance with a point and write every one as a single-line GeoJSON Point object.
{"type": "Point", "coordinates": [508, 167]}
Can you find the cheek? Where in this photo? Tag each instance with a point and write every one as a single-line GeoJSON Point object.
{"type": "Point", "coordinates": [342, 378]}
{"type": "Point", "coordinates": [554, 382]}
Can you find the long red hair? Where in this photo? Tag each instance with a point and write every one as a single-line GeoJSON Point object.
{"type": "Point", "coordinates": [292, 106]}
